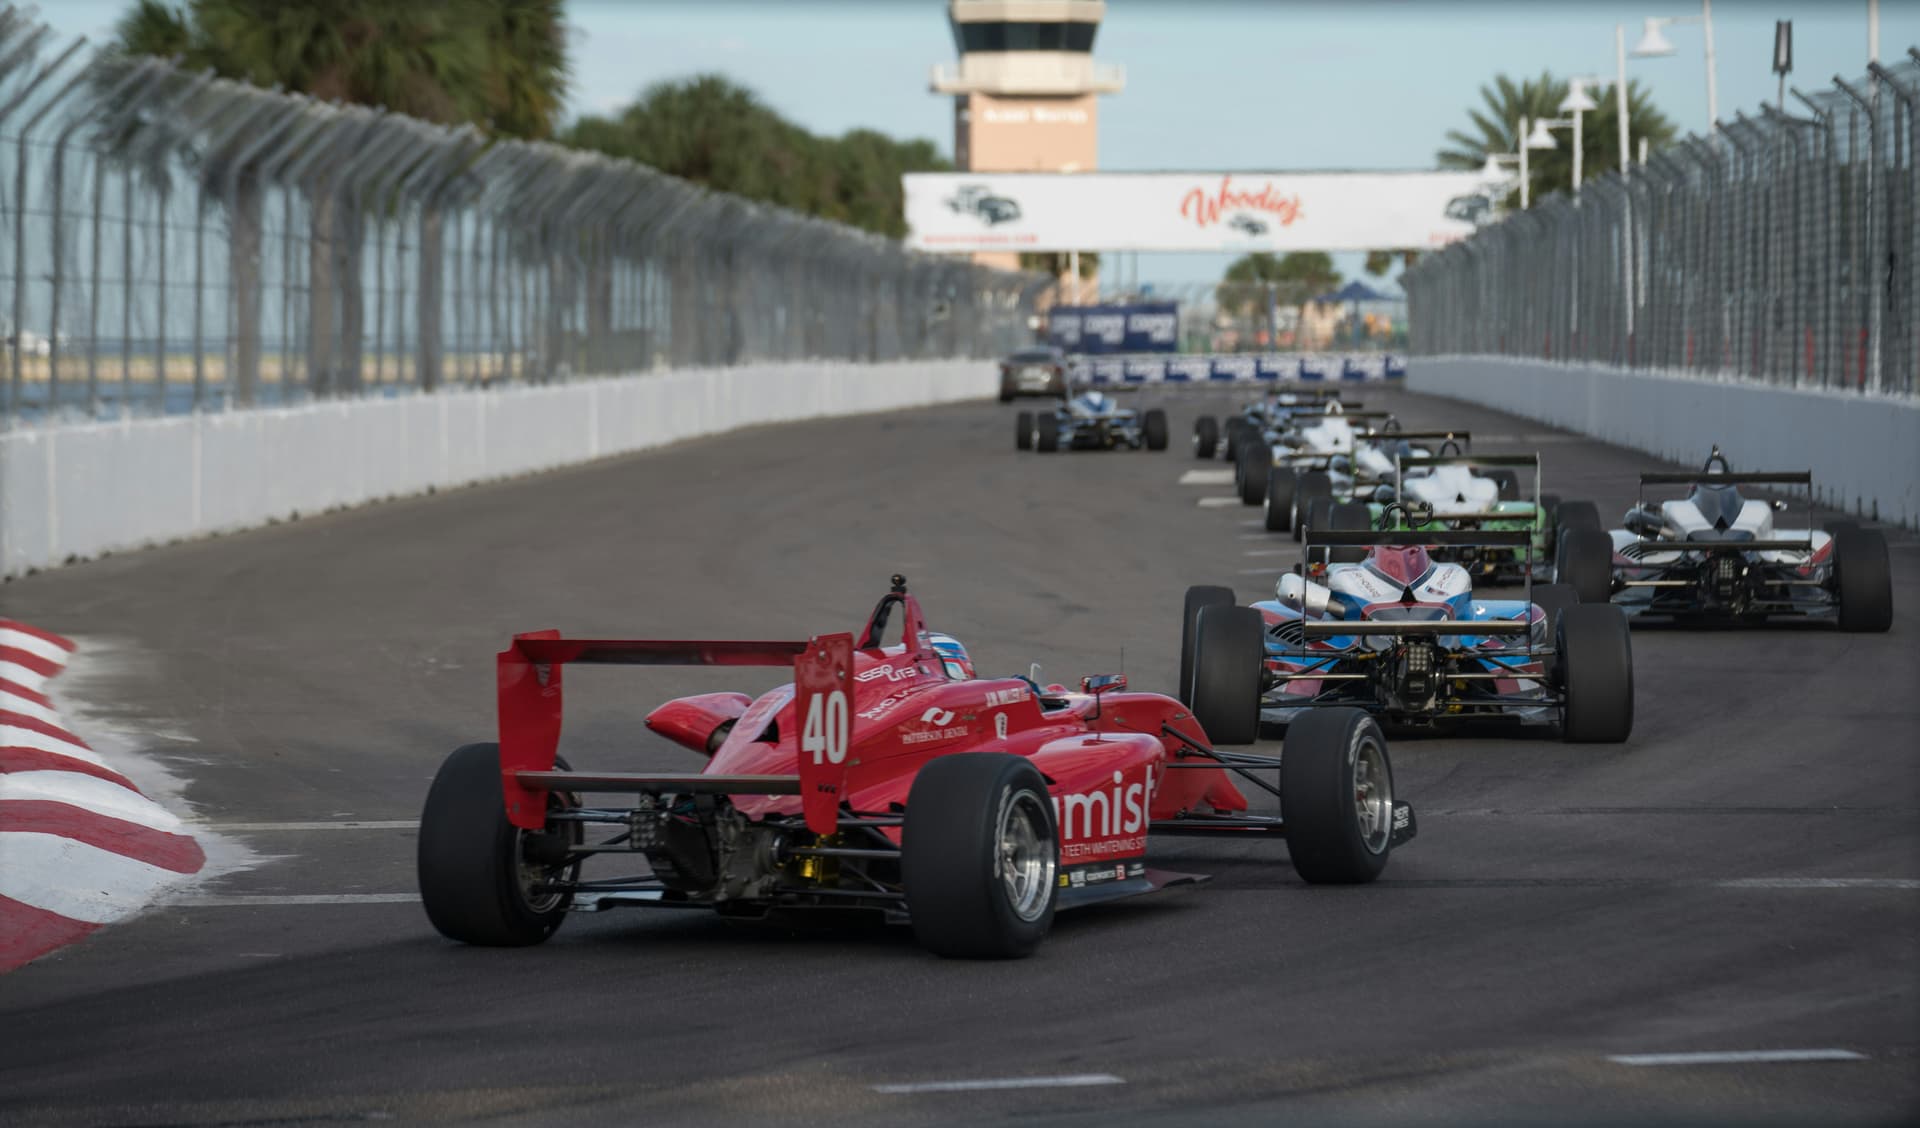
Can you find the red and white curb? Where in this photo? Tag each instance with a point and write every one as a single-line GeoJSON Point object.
{"type": "Point", "coordinates": [80, 846]}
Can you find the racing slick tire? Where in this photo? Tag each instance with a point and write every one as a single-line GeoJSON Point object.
{"type": "Point", "coordinates": [1552, 599]}
{"type": "Point", "coordinates": [1583, 560]}
{"type": "Point", "coordinates": [1507, 481]}
{"type": "Point", "coordinates": [1154, 426]}
{"type": "Point", "coordinates": [1206, 437]}
{"type": "Point", "coordinates": [1336, 797]}
{"type": "Point", "coordinates": [1549, 521]}
{"type": "Point", "coordinates": [1198, 596]}
{"type": "Point", "coordinates": [1578, 515]}
{"type": "Point", "coordinates": [1279, 501]}
{"type": "Point", "coordinates": [1023, 431]}
{"type": "Point", "coordinates": [1862, 580]}
{"type": "Point", "coordinates": [470, 860]}
{"type": "Point", "coordinates": [1594, 652]}
{"type": "Point", "coordinates": [1046, 436]}
{"type": "Point", "coordinates": [979, 856]}
{"type": "Point", "coordinates": [1229, 656]}
{"type": "Point", "coordinates": [1312, 485]}
{"type": "Point", "coordinates": [1237, 429]}
{"type": "Point", "coordinates": [1352, 517]}
{"type": "Point", "coordinates": [1250, 471]}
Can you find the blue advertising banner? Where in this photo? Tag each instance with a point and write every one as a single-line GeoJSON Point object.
{"type": "Point", "coordinates": [1238, 368]}
{"type": "Point", "coordinates": [1101, 330]}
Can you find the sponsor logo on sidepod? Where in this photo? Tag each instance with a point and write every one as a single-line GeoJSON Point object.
{"type": "Point", "coordinates": [1098, 824]}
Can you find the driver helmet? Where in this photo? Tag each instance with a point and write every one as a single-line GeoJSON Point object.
{"type": "Point", "coordinates": [1383, 494]}
{"type": "Point", "coordinates": [1340, 464]}
{"type": "Point", "coordinates": [952, 655]}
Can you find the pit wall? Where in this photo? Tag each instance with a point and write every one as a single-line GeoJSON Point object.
{"type": "Point", "coordinates": [1864, 450]}
{"type": "Point", "coordinates": [70, 492]}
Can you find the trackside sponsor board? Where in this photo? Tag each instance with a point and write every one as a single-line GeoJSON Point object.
{"type": "Point", "coordinates": [1094, 330]}
{"type": "Point", "coordinates": [1197, 211]}
{"type": "Point", "coordinates": [1237, 368]}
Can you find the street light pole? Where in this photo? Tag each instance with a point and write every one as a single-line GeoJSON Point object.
{"type": "Point", "coordinates": [1620, 90]}
{"type": "Point", "coordinates": [1713, 86]}
{"type": "Point", "coordinates": [1525, 190]}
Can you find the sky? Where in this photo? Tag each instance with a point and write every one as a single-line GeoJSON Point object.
{"type": "Point", "coordinates": [1211, 84]}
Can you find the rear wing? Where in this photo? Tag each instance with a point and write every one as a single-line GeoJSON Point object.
{"type": "Point", "coordinates": [1724, 477]}
{"type": "Point", "coordinates": [530, 710]}
{"type": "Point", "coordinates": [1403, 462]}
{"type": "Point", "coordinates": [1718, 478]}
{"type": "Point", "coordinates": [1418, 538]}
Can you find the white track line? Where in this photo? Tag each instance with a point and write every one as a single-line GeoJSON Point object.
{"type": "Point", "coordinates": [1266, 571]}
{"type": "Point", "coordinates": [1069, 1081]}
{"type": "Point", "coordinates": [1818, 883]}
{"type": "Point", "coordinates": [251, 900]}
{"type": "Point", "coordinates": [1736, 1057]}
{"type": "Point", "coordinates": [369, 824]}
{"type": "Point", "coordinates": [1207, 478]}
{"type": "Point", "coordinates": [1217, 502]}
{"type": "Point", "coordinates": [1269, 552]}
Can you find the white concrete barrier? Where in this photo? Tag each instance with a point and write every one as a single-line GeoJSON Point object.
{"type": "Point", "coordinates": [1864, 451]}
{"type": "Point", "coordinates": [73, 491]}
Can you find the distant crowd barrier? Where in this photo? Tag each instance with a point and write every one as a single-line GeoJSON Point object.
{"type": "Point", "coordinates": [1237, 368]}
{"type": "Point", "coordinates": [1864, 450]}
{"type": "Point", "coordinates": [73, 491]}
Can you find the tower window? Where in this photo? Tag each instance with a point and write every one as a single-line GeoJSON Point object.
{"type": "Point", "coordinates": [1012, 36]}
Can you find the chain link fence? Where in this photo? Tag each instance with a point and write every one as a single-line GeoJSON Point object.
{"type": "Point", "coordinates": [173, 241]}
{"type": "Point", "coordinates": [1784, 248]}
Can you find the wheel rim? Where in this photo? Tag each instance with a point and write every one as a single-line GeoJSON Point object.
{"type": "Point", "coordinates": [1372, 796]}
{"type": "Point", "coordinates": [531, 877]}
{"type": "Point", "coordinates": [1024, 854]}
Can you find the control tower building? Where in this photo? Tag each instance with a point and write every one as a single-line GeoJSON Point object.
{"type": "Point", "coordinates": [1024, 91]}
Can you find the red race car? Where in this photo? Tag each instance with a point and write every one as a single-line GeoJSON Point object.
{"type": "Point", "coordinates": [882, 778]}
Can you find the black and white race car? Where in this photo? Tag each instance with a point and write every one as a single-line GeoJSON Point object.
{"type": "Point", "coordinates": [1091, 420]}
{"type": "Point", "coordinates": [1716, 555]}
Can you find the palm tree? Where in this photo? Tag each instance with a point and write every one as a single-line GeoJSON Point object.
{"type": "Point", "coordinates": [719, 134]}
{"type": "Point", "coordinates": [1495, 128]}
{"type": "Point", "coordinates": [499, 64]}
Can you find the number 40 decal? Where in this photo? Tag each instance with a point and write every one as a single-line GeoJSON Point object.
{"type": "Point", "coordinates": [824, 733]}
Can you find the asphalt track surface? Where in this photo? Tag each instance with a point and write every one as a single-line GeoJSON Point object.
{"type": "Point", "coordinates": [1740, 876]}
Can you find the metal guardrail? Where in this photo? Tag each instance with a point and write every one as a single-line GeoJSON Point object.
{"type": "Point", "coordinates": [1785, 248]}
{"type": "Point", "coordinates": [173, 241]}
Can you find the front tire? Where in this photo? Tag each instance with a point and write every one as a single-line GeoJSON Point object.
{"type": "Point", "coordinates": [1154, 425]}
{"type": "Point", "coordinates": [1336, 797]}
{"type": "Point", "coordinates": [476, 880]}
{"type": "Point", "coordinates": [1206, 438]}
{"type": "Point", "coordinates": [1862, 580]}
{"type": "Point", "coordinates": [1584, 562]}
{"type": "Point", "coordinates": [1593, 650]}
{"type": "Point", "coordinates": [1250, 472]}
{"type": "Point", "coordinates": [1023, 431]}
{"type": "Point", "coordinates": [979, 856]}
{"type": "Point", "coordinates": [1229, 657]}
{"type": "Point", "coordinates": [1198, 597]}
{"type": "Point", "coordinates": [1313, 485]}
{"type": "Point", "coordinates": [1046, 436]}
{"type": "Point", "coordinates": [1279, 514]}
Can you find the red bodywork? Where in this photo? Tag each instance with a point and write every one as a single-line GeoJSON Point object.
{"type": "Point", "coordinates": [1105, 757]}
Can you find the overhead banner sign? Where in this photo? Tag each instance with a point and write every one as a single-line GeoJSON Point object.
{"type": "Point", "coordinates": [1193, 211]}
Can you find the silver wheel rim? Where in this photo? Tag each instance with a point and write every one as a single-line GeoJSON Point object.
{"type": "Point", "coordinates": [1372, 795]}
{"type": "Point", "coordinates": [1024, 856]}
{"type": "Point", "coordinates": [531, 876]}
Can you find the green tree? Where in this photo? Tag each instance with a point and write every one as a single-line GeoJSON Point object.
{"type": "Point", "coordinates": [1289, 280]}
{"type": "Point", "coordinates": [1379, 262]}
{"type": "Point", "coordinates": [717, 133]}
{"type": "Point", "coordinates": [1054, 263]}
{"type": "Point", "coordinates": [1495, 128]}
{"type": "Point", "coordinates": [500, 64]}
